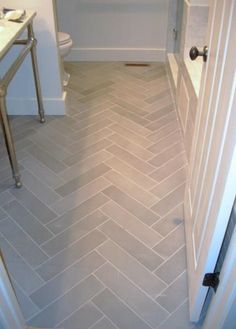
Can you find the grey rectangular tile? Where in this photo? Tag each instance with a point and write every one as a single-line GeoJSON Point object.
{"type": "Point", "coordinates": [28, 308]}
{"type": "Point", "coordinates": [131, 224]}
{"type": "Point", "coordinates": [5, 197]}
{"type": "Point", "coordinates": [129, 266]}
{"type": "Point", "coordinates": [171, 242]}
{"type": "Point", "coordinates": [19, 270]}
{"type": "Point", "coordinates": [133, 246]}
{"type": "Point", "coordinates": [43, 192]}
{"type": "Point", "coordinates": [166, 142]}
{"type": "Point", "coordinates": [131, 173]}
{"type": "Point", "coordinates": [47, 159]}
{"type": "Point", "coordinates": [118, 312]}
{"type": "Point", "coordinates": [88, 151]}
{"type": "Point", "coordinates": [97, 87]}
{"type": "Point", "coordinates": [2, 214]}
{"type": "Point", "coordinates": [132, 189]}
{"type": "Point", "coordinates": [169, 167]}
{"type": "Point", "coordinates": [65, 281]}
{"type": "Point", "coordinates": [131, 108]}
{"type": "Point", "coordinates": [153, 314]}
{"type": "Point", "coordinates": [129, 146]}
{"type": "Point", "coordinates": [164, 132]}
{"type": "Point", "coordinates": [26, 247]}
{"type": "Point", "coordinates": [82, 180]}
{"type": "Point", "coordinates": [70, 255]}
{"type": "Point", "coordinates": [130, 115]}
{"type": "Point", "coordinates": [137, 209]}
{"type": "Point", "coordinates": [34, 205]}
{"type": "Point", "coordinates": [74, 232]}
{"type": "Point", "coordinates": [162, 122]}
{"type": "Point", "coordinates": [170, 201]}
{"type": "Point", "coordinates": [131, 159]}
{"type": "Point", "coordinates": [85, 165]}
{"type": "Point", "coordinates": [28, 222]}
{"type": "Point", "coordinates": [170, 183]}
{"type": "Point", "coordinates": [92, 129]}
{"type": "Point", "coordinates": [79, 196]}
{"type": "Point", "coordinates": [173, 267]}
{"type": "Point", "coordinates": [131, 125]}
{"type": "Point", "coordinates": [104, 323]}
{"type": "Point", "coordinates": [88, 141]}
{"type": "Point", "coordinates": [166, 155]}
{"type": "Point", "coordinates": [86, 316]}
{"type": "Point", "coordinates": [76, 214]}
{"type": "Point", "coordinates": [67, 304]}
{"type": "Point", "coordinates": [130, 135]}
{"type": "Point", "coordinates": [169, 222]}
{"type": "Point", "coordinates": [46, 175]}
{"type": "Point", "coordinates": [175, 294]}
{"type": "Point", "coordinates": [161, 112]}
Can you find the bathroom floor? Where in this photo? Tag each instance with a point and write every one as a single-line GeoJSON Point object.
{"type": "Point", "coordinates": [95, 237]}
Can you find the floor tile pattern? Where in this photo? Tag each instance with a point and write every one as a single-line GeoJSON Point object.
{"type": "Point", "coordinates": [95, 237]}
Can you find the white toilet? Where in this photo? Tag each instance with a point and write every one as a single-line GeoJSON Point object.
{"type": "Point", "coordinates": [65, 45]}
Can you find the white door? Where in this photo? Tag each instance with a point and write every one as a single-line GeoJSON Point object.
{"type": "Point", "coordinates": [212, 179]}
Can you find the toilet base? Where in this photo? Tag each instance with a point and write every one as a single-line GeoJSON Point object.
{"type": "Point", "coordinates": [66, 78]}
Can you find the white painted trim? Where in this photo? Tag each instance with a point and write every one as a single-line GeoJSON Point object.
{"type": "Point", "coordinates": [10, 314]}
{"type": "Point", "coordinates": [223, 301]}
{"type": "Point", "coordinates": [28, 106]}
{"type": "Point", "coordinates": [117, 54]}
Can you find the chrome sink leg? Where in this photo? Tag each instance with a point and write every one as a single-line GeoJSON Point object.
{"type": "Point", "coordinates": [8, 137]}
{"type": "Point", "coordinates": [36, 73]}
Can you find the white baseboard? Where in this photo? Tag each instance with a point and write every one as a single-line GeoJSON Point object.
{"type": "Point", "coordinates": [117, 54]}
{"type": "Point", "coordinates": [28, 106]}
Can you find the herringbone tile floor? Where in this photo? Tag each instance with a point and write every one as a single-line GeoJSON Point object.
{"type": "Point", "coordinates": [95, 237]}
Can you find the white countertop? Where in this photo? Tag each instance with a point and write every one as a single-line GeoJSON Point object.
{"type": "Point", "coordinates": [10, 31]}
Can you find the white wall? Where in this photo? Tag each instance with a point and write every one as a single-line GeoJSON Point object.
{"type": "Point", "coordinates": [21, 93]}
{"type": "Point", "coordinates": [115, 29]}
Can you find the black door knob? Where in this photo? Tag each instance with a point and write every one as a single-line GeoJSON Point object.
{"type": "Point", "coordinates": [194, 53]}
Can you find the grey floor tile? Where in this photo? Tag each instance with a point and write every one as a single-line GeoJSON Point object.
{"type": "Point", "coordinates": [118, 312]}
{"type": "Point", "coordinates": [131, 173]}
{"type": "Point", "coordinates": [28, 308]}
{"type": "Point", "coordinates": [133, 246]}
{"type": "Point", "coordinates": [70, 255]}
{"type": "Point", "coordinates": [173, 267]}
{"type": "Point", "coordinates": [86, 316]}
{"type": "Point", "coordinates": [5, 197]}
{"type": "Point", "coordinates": [74, 232]}
{"type": "Point", "coordinates": [130, 115]}
{"type": "Point", "coordinates": [25, 246]}
{"type": "Point", "coordinates": [170, 183]}
{"type": "Point", "coordinates": [28, 222]}
{"type": "Point", "coordinates": [92, 129]}
{"type": "Point", "coordinates": [34, 205]}
{"type": "Point", "coordinates": [82, 180]}
{"type": "Point", "coordinates": [131, 224]}
{"type": "Point", "coordinates": [42, 172]}
{"type": "Point", "coordinates": [76, 214]}
{"type": "Point", "coordinates": [137, 209]}
{"type": "Point", "coordinates": [19, 270]}
{"type": "Point", "coordinates": [3, 214]}
{"type": "Point", "coordinates": [85, 165]}
{"type": "Point", "coordinates": [84, 193]}
{"type": "Point", "coordinates": [131, 188]}
{"type": "Point", "coordinates": [169, 222]}
{"type": "Point", "coordinates": [170, 201]}
{"type": "Point", "coordinates": [104, 323]}
{"type": "Point", "coordinates": [131, 159]}
{"type": "Point", "coordinates": [129, 266]}
{"type": "Point", "coordinates": [135, 138]}
{"type": "Point", "coordinates": [175, 294]}
{"type": "Point", "coordinates": [43, 192]}
{"type": "Point", "coordinates": [147, 309]}
{"type": "Point", "coordinates": [65, 281]}
{"type": "Point", "coordinates": [162, 122]}
{"type": "Point", "coordinates": [171, 243]}
{"type": "Point", "coordinates": [47, 159]}
{"type": "Point", "coordinates": [165, 142]}
{"type": "Point", "coordinates": [164, 132]}
{"type": "Point", "coordinates": [67, 304]}
{"type": "Point", "coordinates": [166, 155]}
{"type": "Point", "coordinates": [161, 112]}
{"type": "Point", "coordinates": [87, 152]}
{"type": "Point", "coordinates": [129, 146]}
